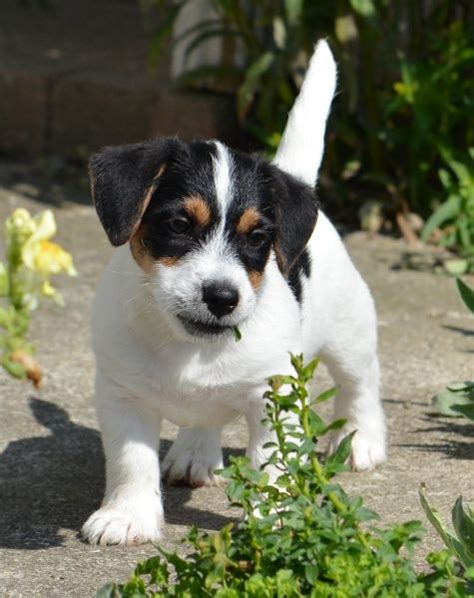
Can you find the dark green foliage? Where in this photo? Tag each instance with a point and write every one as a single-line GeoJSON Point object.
{"type": "Point", "coordinates": [458, 398]}
{"type": "Point", "coordinates": [466, 293]}
{"type": "Point", "coordinates": [301, 535]}
{"type": "Point", "coordinates": [406, 104]}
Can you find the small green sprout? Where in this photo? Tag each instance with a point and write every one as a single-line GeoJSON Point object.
{"type": "Point", "coordinates": [237, 333]}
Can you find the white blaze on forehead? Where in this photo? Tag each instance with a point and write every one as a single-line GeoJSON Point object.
{"type": "Point", "coordinates": [222, 177]}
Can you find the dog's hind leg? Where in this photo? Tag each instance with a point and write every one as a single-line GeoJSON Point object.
{"type": "Point", "coordinates": [193, 458]}
{"type": "Point", "coordinates": [351, 357]}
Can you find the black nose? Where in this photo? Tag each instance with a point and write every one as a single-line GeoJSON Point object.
{"type": "Point", "coordinates": [221, 299]}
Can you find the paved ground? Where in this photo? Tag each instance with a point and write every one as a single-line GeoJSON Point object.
{"type": "Point", "coordinates": [51, 464]}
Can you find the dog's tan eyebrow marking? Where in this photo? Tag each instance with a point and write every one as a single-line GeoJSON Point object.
{"type": "Point", "coordinates": [255, 278]}
{"type": "Point", "coordinates": [248, 221]}
{"type": "Point", "coordinates": [198, 209]}
{"type": "Point", "coordinates": [168, 261]}
{"type": "Point", "coordinates": [140, 254]}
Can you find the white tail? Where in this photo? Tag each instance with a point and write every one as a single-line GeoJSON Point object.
{"type": "Point", "coordinates": [302, 146]}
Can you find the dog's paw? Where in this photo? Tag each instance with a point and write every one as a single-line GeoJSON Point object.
{"type": "Point", "coordinates": [125, 522]}
{"type": "Point", "coordinates": [367, 449]}
{"type": "Point", "coordinates": [183, 466]}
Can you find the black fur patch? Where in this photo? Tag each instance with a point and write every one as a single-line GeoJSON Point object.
{"type": "Point", "coordinates": [121, 177]}
{"type": "Point", "coordinates": [128, 194]}
{"type": "Point", "coordinates": [302, 267]}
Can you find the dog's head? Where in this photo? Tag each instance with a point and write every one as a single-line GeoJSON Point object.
{"type": "Point", "coordinates": [202, 221]}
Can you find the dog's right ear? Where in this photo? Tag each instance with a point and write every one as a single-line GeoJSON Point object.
{"type": "Point", "coordinates": [123, 180]}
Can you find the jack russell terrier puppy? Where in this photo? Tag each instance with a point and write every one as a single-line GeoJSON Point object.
{"type": "Point", "coordinates": [210, 239]}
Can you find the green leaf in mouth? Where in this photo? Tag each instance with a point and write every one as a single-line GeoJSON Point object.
{"type": "Point", "coordinates": [237, 333]}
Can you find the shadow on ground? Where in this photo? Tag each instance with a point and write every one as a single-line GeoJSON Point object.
{"type": "Point", "coordinates": [53, 483]}
{"type": "Point", "coordinates": [459, 445]}
{"type": "Point", "coordinates": [49, 181]}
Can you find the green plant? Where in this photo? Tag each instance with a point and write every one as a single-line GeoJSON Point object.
{"type": "Point", "coordinates": [30, 261]}
{"type": "Point", "coordinates": [460, 545]}
{"type": "Point", "coordinates": [301, 535]}
{"type": "Point", "coordinates": [429, 117]}
{"type": "Point", "coordinates": [404, 79]}
{"type": "Point", "coordinates": [456, 213]}
{"type": "Point", "coordinates": [458, 399]}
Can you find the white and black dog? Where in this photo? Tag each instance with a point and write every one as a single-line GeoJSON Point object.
{"type": "Point", "coordinates": [210, 239]}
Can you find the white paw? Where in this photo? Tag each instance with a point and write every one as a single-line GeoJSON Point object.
{"type": "Point", "coordinates": [125, 522]}
{"type": "Point", "coordinates": [195, 468]}
{"type": "Point", "coordinates": [368, 449]}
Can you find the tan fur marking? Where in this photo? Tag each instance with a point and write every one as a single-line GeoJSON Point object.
{"type": "Point", "coordinates": [255, 278]}
{"type": "Point", "coordinates": [168, 261]}
{"type": "Point", "coordinates": [147, 198]}
{"type": "Point", "coordinates": [248, 221]}
{"type": "Point", "coordinates": [140, 254]}
{"type": "Point", "coordinates": [198, 209]}
{"type": "Point", "coordinates": [139, 251]}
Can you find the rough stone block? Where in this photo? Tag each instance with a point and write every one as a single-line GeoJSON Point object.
{"type": "Point", "coordinates": [195, 115]}
{"type": "Point", "coordinates": [22, 113]}
{"type": "Point", "coordinates": [91, 115]}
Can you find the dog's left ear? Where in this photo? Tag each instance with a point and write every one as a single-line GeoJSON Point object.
{"type": "Point", "coordinates": [123, 180]}
{"type": "Point", "coordinates": [296, 212]}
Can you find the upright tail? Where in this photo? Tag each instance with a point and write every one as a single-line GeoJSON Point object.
{"type": "Point", "coordinates": [302, 146]}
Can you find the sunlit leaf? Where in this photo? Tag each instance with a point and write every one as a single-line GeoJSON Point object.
{"type": "Point", "coordinates": [466, 293]}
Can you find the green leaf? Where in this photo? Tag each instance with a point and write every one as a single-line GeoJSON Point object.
{"type": "Point", "coordinates": [445, 401]}
{"type": "Point", "coordinates": [162, 34]}
{"type": "Point", "coordinates": [435, 520]}
{"type": "Point", "coordinates": [446, 211]}
{"type": "Point", "coordinates": [366, 8]}
{"type": "Point", "coordinates": [324, 396]}
{"type": "Point", "coordinates": [222, 32]}
{"type": "Point", "coordinates": [14, 368]}
{"type": "Point", "coordinates": [343, 451]}
{"type": "Point", "coordinates": [466, 410]}
{"type": "Point", "coordinates": [456, 267]}
{"type": "Point", "coordinates": [466, 388]}
{"type": "Point", "coordinates": [466, 293]}
{"type": "Point", "coordinates": [109, 590]}
{"type": "Point", "coordinates": [4, 282]}
{"type": "Point", "coordinates": [249, 87]}
{"type": "Point", "coordinates": [445, 178]}
{"type": "Point", "coordinates": [452, 543]}
{"type": "Point", "coordinates": [463, 522]}
{"type": "Point", "coordinates": [279, 32]}
{"type": "Point", "coordinates": [294, 11]}
{"type": "Point", "coordinates": [237, 333]}
{"type": "Point", "coordinates": [198, 27]}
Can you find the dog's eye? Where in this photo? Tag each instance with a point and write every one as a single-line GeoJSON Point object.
{"type": "Point", "coordinates": [257, 237]}
{"type": "Point", "coordinates": [179, 226]}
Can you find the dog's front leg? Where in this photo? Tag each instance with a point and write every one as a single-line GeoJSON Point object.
{"type": "Point", "coordinates": [193, 458]}
{"type": "Point", "coordinates": [132, 511]}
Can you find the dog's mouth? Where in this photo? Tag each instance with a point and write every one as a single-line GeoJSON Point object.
{"type": "Point", "coordinates": [197, 328]}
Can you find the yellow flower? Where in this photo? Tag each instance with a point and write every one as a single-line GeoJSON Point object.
{"type": "Point", "coordinates": [35, 257]}
{"type": "Point", "coordinates": [48, 258]}
{"type": "Point", "coordinates": [21, 220]}
{"type": "Point", "coordinates": [43, 256]}
{"type": "Point", "coordinates": [20, 226]}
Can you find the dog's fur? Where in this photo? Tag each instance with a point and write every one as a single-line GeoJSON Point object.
{"type": "Point", "coordinates": [210, 239]}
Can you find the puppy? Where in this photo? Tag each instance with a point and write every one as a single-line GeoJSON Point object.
{"type": "Point", "coordinates": [209, 239]}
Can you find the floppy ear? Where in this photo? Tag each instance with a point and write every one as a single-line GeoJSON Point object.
{"type": "Point", "coordinates": [123, 180]}
{"type": "Point", "coordinates": [296, 212]}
